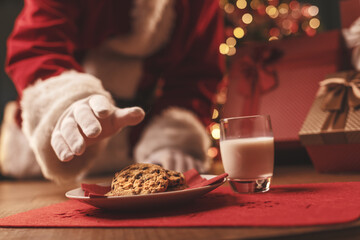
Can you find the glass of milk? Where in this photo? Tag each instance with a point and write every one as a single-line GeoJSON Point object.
{"type": "Point", "coordinates": [247, 152]}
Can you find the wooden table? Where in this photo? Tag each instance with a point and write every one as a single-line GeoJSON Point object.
{"type": "Point", "coordinates": [20, 196]}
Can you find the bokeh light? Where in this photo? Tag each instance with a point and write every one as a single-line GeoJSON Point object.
{"type": "Point", "coordinates": [224, 48]}
{"type": "Point", "coordinates": [239, 32]}
{"type": "Point", "coordinates": [247, 18]}
{"type": "Point", "coordinates": [241, 4]}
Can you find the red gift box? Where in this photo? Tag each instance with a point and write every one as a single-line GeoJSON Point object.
{"type": "Point", "coordinates": [281, 78]}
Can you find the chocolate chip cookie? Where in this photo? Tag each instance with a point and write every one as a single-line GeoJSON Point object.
{"type": "Point", "coordinates": [139, 178]}
{"type": "Point", "coordinates": [175, 178]}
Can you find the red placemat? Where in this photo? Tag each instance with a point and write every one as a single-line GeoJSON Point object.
{"type": "Point", "coordinates": [283, 205]}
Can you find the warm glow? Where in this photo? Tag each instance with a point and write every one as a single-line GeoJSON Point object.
{"type": "Point", "coordinates": [274, 32]}
{"type": "Point", "coordinates": [231, 41]}
{"type": "Point", "coordinates": [313, 11]}
{"type": "Point", "coordinates": [223, 48]}
{"type": "Point", "coordinates": [215, 130]}
{"type": "Point", "coordinates": [254, 4]}
{"type": "Point", "coordinates": [215, 114]}
{"type": "Point", "coordinates": [314, 23]}
{"type": "Point", "coordinates": [232, 51]}
{"type": "Point", "coordinates": [239, 32]}
{"type": "Point", "coordinates": [296, 14]}
{"type": "Point", "coordinates": [272, 38]}
{"type": "Point", "coordinates": [294, 5]}
{"type": "Point", "coordinates": [271, 11]}
{"type": "Point", "coordinates": [229, 8]}
{"type": "Point", "coordinates": [310, 32]}
{"type": "Point", "coordinates": [241, 4]}
{"type": "Point", "coordinates": [283, 8]}
{"type": "Point", "coordinates": [212, 152]}
{"type": "Point", "coordinates": [247, 18]}
{"type": "Point", "coordinates": [215, 133]}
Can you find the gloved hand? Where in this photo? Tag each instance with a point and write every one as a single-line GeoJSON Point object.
{"type": "Point", "coordinates": [175, 159]}
{"type": "Point", "coordinates": [88, 121]}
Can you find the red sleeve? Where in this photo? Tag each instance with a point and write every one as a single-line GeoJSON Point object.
{"type": "Point", "coordinates": [192, 82]}
{"type": "Point", "coordinates": [42, 43]}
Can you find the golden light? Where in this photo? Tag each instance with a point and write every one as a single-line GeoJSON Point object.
{"type": "Point", "coordinates": [232, 51]}
{"type": "Point", "coordinates": [239, 32]}
{"type": "Point", "coordinates": [314, 23]}
{"type": "Point", "coordinates": [215, 133]}
{"type": "Point", "coordinates": [223, 48]}
{"type": "Point", "coordinates": [222, 3]}
{"type": "Point", "coordinates": [272, 11]}
{"type": "Point", "coordinates": [231, 41]}
{"type": "Point", "coordinates": [272, 38]}
{"type": "Point", "coordinates": [212, 152]}
{"type": "Point", "coordinates": [241, 4]}
{"type": "Point", "coordinates": [247, 18]}
{"type": "Point", "coordinates": [313, 11]}
{"type": "Point", "coordinates": [254, 4]}
{"type": "Point", "coordinates": [283, 9]}
{"type": "Point", "coordinates": [229, 8]}
{"type": "Point", "coordinates": [215, 114]}
{"type": "Point", "coordinates": [215, 130]}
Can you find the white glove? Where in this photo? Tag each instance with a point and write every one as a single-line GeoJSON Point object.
{"type": "Point", "coordinates": [175, 159]}
{"type": "Point", "coordinates": [88, 121]}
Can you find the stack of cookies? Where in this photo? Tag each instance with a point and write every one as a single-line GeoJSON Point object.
{"type": "Point", "coordinates": [143, 178]}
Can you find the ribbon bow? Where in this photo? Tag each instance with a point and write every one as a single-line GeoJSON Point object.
{"type": "Point", "coordinates": [256, 75]}
{"type": "Point", "coordinates": [340, 94]}
{"type": "Point", "coordinates": [336, 92]}
{"type": "Point", "coordinates": [257, 71]}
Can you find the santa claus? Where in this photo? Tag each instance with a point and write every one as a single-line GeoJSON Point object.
{"type": "Point", "coordinates": [87, 70]}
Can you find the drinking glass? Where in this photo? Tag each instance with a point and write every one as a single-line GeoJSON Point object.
{"type": "Point", "coordinates": [247, 152]}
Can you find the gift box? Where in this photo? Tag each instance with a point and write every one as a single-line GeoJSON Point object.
{"type": "Point", "coordinates": [331, 130]}
{"type": "Point", "coordinates": [281, 78]}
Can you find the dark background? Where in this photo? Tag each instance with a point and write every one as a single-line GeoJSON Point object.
{"type": "Point", "coordinates": [329, 16]}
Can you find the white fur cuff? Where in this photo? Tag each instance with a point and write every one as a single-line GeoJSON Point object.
{"type": "Point", "coordinates": [176, 129]}
{"type": "Point", "coordinates": [42, 104]}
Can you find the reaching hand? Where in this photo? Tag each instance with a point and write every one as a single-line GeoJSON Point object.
{"type": "Point", "coordinates": [88, 121]}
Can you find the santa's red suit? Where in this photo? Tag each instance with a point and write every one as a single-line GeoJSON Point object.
{"type": "Point", "coordinates": [157, 54]}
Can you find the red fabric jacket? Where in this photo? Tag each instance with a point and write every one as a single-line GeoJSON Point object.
{"type": "Point", "coordinates": [51, 36]}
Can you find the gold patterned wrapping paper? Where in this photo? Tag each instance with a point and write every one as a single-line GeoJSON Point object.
{"type": "Point", "coordinates": [334, 117]}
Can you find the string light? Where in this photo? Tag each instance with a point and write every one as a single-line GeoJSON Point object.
{"type": "Point", "coordinates": [313, 11]}
{"type": "Point", "coordinates": [247, 18]}
{"type": "Point", "coordinates": [239, 32]}
{"type": "Point", "coordinates": [223, 48]}
{"type": "Point", "coordinates": [314, 23]}
{"type": "Point", "coordinates": [231, 41]}
{"type": "Point", "coordinates": [241, 4]}
{"type": "Point", "coordinates": [215, 130]}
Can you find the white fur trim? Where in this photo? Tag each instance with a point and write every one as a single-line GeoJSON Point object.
{"type": "Point", "coordinates": [16, 157]}
{"type": "Point", "coordinates": [42, 104]}
{"type": "Point", "coordinates": [152, 23]}
{"type": "Point", "coordinates": [177, 129]}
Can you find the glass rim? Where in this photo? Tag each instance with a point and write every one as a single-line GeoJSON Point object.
{"type": "Point", "coordinates": [243, 117]}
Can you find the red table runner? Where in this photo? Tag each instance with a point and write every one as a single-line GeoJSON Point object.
{"type": "Point", "coordinates": [283, 205]}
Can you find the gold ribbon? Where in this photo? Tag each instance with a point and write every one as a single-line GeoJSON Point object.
{"type": "Point", "coordinates": [340, 94]}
